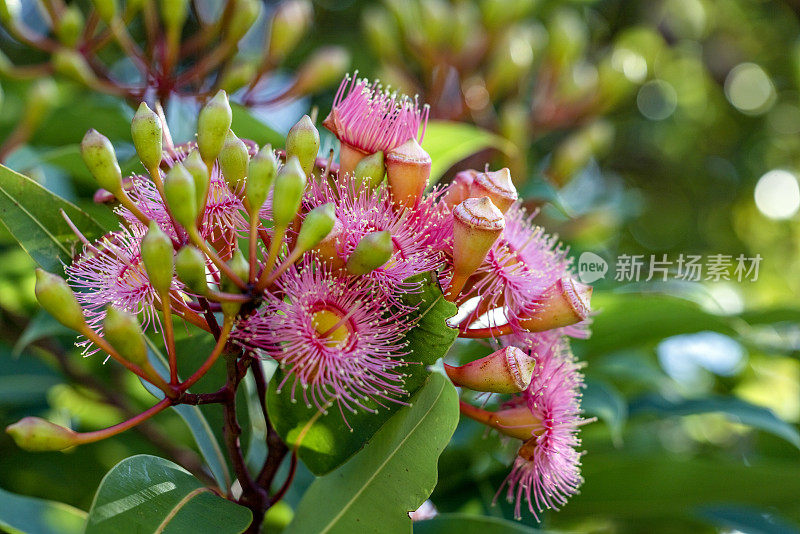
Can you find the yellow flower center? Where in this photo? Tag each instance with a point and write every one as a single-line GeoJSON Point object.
{"type": "Point", "coordinates": [332, 327]}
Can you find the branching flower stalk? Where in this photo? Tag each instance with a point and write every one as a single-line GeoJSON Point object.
{"type": "Point", "coordinates": [183, 50]}
{"type": "Point", "coordinates": [286, 256]}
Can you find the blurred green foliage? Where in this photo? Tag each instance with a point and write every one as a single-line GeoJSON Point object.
{"type": "Point", "coordinates": [637, 127]}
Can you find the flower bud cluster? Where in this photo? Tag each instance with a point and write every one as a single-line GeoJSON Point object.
{"type": "Point", "coordinates": [180, 51]}
{"type": "Point", "coordinates": [308, 262]}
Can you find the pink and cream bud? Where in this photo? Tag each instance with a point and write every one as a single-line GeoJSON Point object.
{"type": "Point", "coordinates": [407, 170]}
{"type": "Point", "coordinates": [508, 370]}
{"type": "Point", "coordinates": [477, 223]}
{"type": "Point", "coordinates": [459, 189]}
{"type": "Point", "coordinates": [517, 422]}
{"type": "Point", "coordinates": [565, 303]}
{"type": "Point", "coordinates": [496, 185]}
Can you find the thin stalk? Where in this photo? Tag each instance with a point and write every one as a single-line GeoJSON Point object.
{"type": "Point", "coordinates": [169, 338]}
{"type": "Point", "coordinates": [194, 236]}
{"type": "Point", "coordinates": [227, 325]}
{"type": "Point", "coordinates": [274, 249]}
{"type": "Point", "coordinates": [91, 437]}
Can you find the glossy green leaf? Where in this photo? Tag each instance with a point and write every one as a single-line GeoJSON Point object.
{"type": "Point", "coordinates": [329, 441]}
{"type": "Point", "coordinates": [193, 417]}
{"type": "Point", "coordinates": [247, 126]}
{"type": "Point", "coordinates": [450, 142]}
{"type": "Point", "coordinates": [32, 215]}
{"type": "Point", "coordinates": [149, 494]}
{"type": "Point", "coordinates": [27, 515]}
{"type": "Point", "coordinates": [737, 410]}
{"type": "Point", "coordinates": [739, 518]}
{"type": "Point", "coordinates": [470, 524]}
{"type": "Point", "coordinates": [394, 474]}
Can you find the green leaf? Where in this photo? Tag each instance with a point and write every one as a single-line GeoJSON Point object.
{"type": "Point", "coordinates": [450, 142]}
{"type": "Point", "coordinates": [145, 493]}
{"type": "Point", "coordinates": [747, 519]}
{"type": "Point", "coordinates": [246, 126]}
{"type": "Point", "coordinates": [628, 320]}
{"type": "Point", "coordinates": [394, 474]}
{"type": "Point", "coordinates": [194, 419]}
{"type": "Point", "coordinates": [662, 487]}
{"type": "Point", "coordinates": [738, 410]}
{"type": "Point", "coordinates": [329, 441]}
{"type": "Point", "coordinates": [471, 524]}
{"type": "Point", "coordinates": [32, 215]}
{"type": "Point", "coordinates": [606, 402]}
{"type": "Point", "coordinates": [27, 515]}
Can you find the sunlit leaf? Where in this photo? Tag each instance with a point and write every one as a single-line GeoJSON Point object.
{"type": "Point", "coordinates": [149, 494]}
{"type": "Point", "coordinates": [450, 142]}
{"type": "Point", "coordinates": [392, 475]}
{"type": "Point", "coordinates": [31, 214]}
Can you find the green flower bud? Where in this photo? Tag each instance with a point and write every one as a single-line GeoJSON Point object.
{"type": "Point", "coordinates": [194, 164]}
{"type": "Point", "coordinates": [181, 196]}
{"type": "Point", "coordinates": [290, 22]}
{"type": "Point", "coordinates": [237, 76]}
{"type": "Point", "coordinates": [233, 160]}
{"type": "Point", "coordinates": [70, 26]}
{"type": "Point", "coordinates": [36, 434]}
{"type": "Point", "coordinates": [123, 331]}
{"type": "Point", "coordinates": [303, 141]}
{"type": "Point", "coordinates": [316, 226]}
{"type": "Point", "coordinates": [57, 298]}
{"type": "Point", "coordinates": [370, 170]}
{"type": "Point", "coordinates": [372, 251]}
{"type": "Point", "coordinates": [106, 9]}
{"type": "Point", "coordinates": [260, 175]}
{"type": "Point", "coordinates": [73, 65]}
{"type": "Point", "coordinates": [243, 17]}
{"type": "Point", "coordinates": [146, 134]}
{"type": "Point", "coordinates": [157, 257]}
{"type": "Point", "coordinates": [174, 13]}
{"type": "Point", "coordinates": [324, 68]}
{"type": "Point", "coordinates": [9, 11]}
{"type": "Point", "coordinates": [287, 192]}
{"type": "Point", "coordinates": [213, 124]}
{"type": "Point", "coordinates": [190, 265]}
{"type": "Point", "coordinates": [241, 267]}
{"type": "Point", "coordinates": [99, 156]}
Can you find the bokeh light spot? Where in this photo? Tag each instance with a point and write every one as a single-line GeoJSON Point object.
{"type": "Point", "coordinates": [749, 89]}
{"type": "Point", "coordinates": [777, 194]}
{"type": "Point", "coordinates": [657, 100]}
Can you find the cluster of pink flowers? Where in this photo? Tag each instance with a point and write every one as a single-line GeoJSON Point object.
{"type": "Point", "coordinates": [333, 314]}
